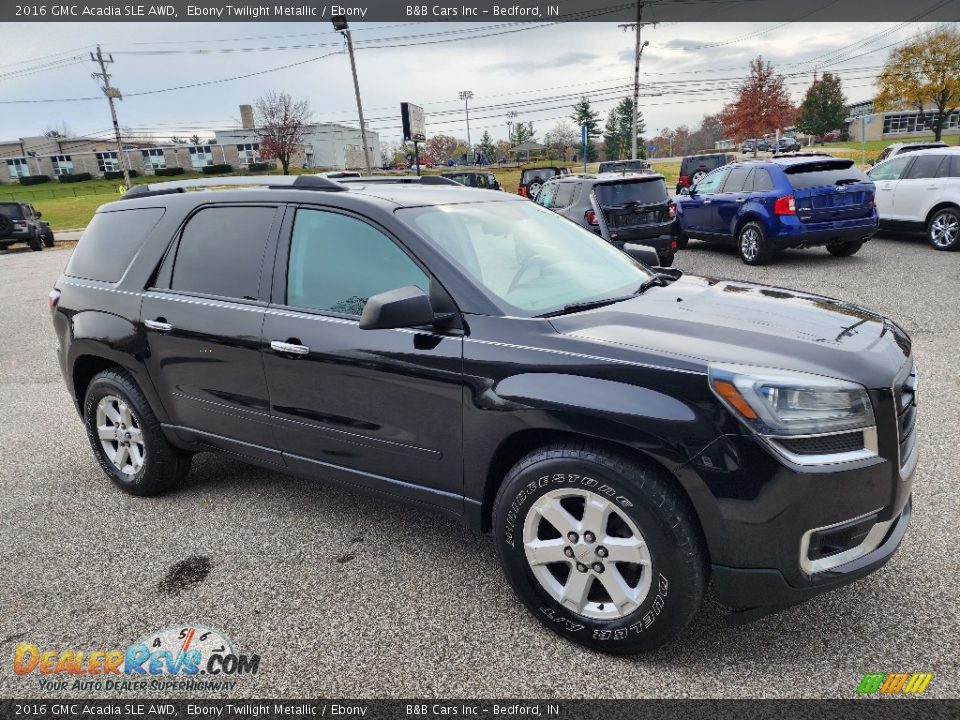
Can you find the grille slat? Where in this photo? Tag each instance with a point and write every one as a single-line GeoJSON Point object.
{"type": "Point", "coordinates": [905, 395]}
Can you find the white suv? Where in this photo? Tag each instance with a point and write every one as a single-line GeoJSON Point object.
{"type": "Point", "coordinates": [920, 190]}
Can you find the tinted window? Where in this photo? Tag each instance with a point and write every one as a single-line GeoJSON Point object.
{"type": "Point", "coordinates": [11, 211]}
{"type": "Point", "coordinates": [823, 174]}
{"type": "Point", "coordinates": [711, 183]}
{"type": "Point", "coordinates": [338, 262]}
{"type": "Point", "coordinates": [110, 242]}
{"type": "Point", "coordinates": [541, 173]}
{"type": "Point", "coordinates": [564, 194]}
{"type": "Point", "coordinates": [736, 179]}
{"type": "Point", "coordinates": [221, 252]}
{"type": "Point", "coordinates": [925, 166]}
{"type": "Point", "coordinates": [623, 193]}
{"type": "Point", "coordinates": [891, 170]}
{"type": "Point", "coordinates": [762, 182]}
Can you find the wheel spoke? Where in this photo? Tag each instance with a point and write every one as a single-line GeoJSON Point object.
{"type": "Point", "coordinates": [576, 590]}
{"type": "Point", "coordinates": [543, 552]}
{"type": "Point", "coordinates": [620, 593]}
{"type": "Point", "coordinates": [596, 512]}
{"type": "Point", "coordinates": [106, 432]}
{"type": "Point", "coordinates": [136, 436]}
{"type": "Point", "coordinates": [126, 417]}
{"type": "Point", "coordinates": [120, 459]}
{"type": "Point", "coordinates": [628, 550]}
{"type": "Point", "coordinates": [110, 410]}
{"type": "Point", "coordinates": [554, 513]}
{"type": "Point", "coordinates": [136, 457]}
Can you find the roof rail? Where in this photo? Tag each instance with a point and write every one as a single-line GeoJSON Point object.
{"type": "Point", "coordinates": [296, 182]}
{"type": "Point", "coordinates": [400, 180]}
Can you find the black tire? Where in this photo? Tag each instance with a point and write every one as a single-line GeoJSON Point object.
{"type": "Point", "coordinates": [845, 249]}
{"type": "Point", "coordinates": [533, 188]}
{"type": "Point", "coordinates": [943, 230]}
{"type": "Point", "coordinates": [35, 242]}
{"type": "Point", "coordinates": [697, 176]}
{"type": "Point", "coordinates": [753, 245]}
{"type": "Point", "coordinates": [48, 238]}
{"type": "Point", "coordinates": [4, 246]}
{"type": "Point", "coordinates": [163, 464]}
{"type": "Point", "coordinates": [665, 259]}
{"type": "Point", "coordinates": [677, 571]}
{"type": "Point", "coordinates": [682, 240]}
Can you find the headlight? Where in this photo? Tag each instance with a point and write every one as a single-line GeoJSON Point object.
{"type": "Point", "coordinates": [779, 402]}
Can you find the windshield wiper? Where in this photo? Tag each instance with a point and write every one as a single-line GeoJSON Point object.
{"type": "Point", "coordinates": [655, 280]}
{"type": "Point", "coordinates": [585, 305]}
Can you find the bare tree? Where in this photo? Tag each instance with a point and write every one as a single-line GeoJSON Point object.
{"type": "Point", "coordinates": [59, 131]}
{"type": "Point", "coordinates": [280, 125]}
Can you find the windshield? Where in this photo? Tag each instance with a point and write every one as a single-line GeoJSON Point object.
{"type": "Point", "coordinates": [529, 260]}
{"type": "Point", "coordinates": [646, 192]}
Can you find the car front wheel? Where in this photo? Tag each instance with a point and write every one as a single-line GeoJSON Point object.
{"type": "Point", "coordinates": [753, 245]}
{"type": "Point", "coordinates": [48, 238]}
{"type": "Point", "coordinates": [603, 550]}
{"type": "Point", "coordinates": [35, 242]}
{"type": "Point", "coordinates": [943, 230]}
{"type": "Point", "coordinates": [126, 436]}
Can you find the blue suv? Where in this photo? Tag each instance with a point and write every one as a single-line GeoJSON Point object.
{"type": "Point", "coordinates": [793, 201]}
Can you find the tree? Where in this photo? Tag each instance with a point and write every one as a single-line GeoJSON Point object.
{"type": "Point", "coordinates": [280, 125]}
{"type": "Point", "coordinates": [617, 143]}
{"type": "Point", "coordinates": [762, 104]}
{"type": "Point", "coordinates": [503, 150]}
{"type": "Point", "coordinates": [60, 131]}
{"type": "Point", "coordinates": [522, 132]}
{"type": "Point", "coordinates": [561, 138]}
{"type": "Point", "coordinates": [924, 73]}
{"type": "Point", "coordinates": [441, 147]}
{"type": "Point", "coordinates": [487, 148]}
{"type": "Point", "coordinates": [583, 114]}
{"type": "Point", "coordinates": [824, 107]}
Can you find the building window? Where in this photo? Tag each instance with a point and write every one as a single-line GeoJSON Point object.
{"type": "Point", "coordinates": [154, 159]}
{"type": "Point", "coordinates": [18, 168]}
{"type": "Point", "coordinates": [912, 123]}
{"type": "Point", "coordinates": [249, 153]}
{"type": "Point", "coordinates": [200, 156]}
{"type": "Point", "coordinates": [108, 162]}
{"type": "Point", "coordinates": [62, 165]}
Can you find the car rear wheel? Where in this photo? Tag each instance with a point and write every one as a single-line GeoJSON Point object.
{"type": "Point", "coordinates": [943, 230]}
{"type": "Point", "coordinates": [753, 245]}
{"type": "Point", "coordinates": [698, 176]}
{"type": "Point", "coordinates": [603, 550]}
{"type": "Point", "coordinates": [126, 436]}
{"type": "Point", "coordinates": [48, 238]}
{"type": "Point", "coordinates": [36, 242]}
{"type": "Point", "coordinates": [4, 246]}
{"type": "Point", "coordinates": [845, 249]}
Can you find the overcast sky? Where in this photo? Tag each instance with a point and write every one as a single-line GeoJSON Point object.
{"type": "Point", "coordinates": [689, 69]}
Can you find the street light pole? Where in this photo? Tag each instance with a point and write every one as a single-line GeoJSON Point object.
{"type": "Point", "coordinates": [638, 52]}
{"type": "Point", "coordinates": [467, 96]}
{"type": "Point", "coordinates": [111, 93]}
{"type": "Point", "coordinates": [340, 24]}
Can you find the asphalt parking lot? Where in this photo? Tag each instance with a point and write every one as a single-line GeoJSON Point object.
{"type": "Point", "coordinates": [344, 595]}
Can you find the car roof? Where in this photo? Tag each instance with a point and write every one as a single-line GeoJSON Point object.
{"type": "Point", "coordinates": [611, 177]}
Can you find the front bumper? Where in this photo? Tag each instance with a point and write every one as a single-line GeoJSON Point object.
{"type": "Point", "coordinates": [769, 589]}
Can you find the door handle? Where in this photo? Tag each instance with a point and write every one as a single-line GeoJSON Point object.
{"type": "Point", "coordinates": [286, 348]}
{"type": "Point", "coordinates": [160, 325]}
{"type": "Point", "coordinates": [707, 201]}
{"type": "Point", "coordinates": [741, 200]}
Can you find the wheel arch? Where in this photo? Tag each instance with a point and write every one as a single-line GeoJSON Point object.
{"type": "Point", "coordinates": [750, 215]}
{"type": "Point", "coordinates": [942, 205]}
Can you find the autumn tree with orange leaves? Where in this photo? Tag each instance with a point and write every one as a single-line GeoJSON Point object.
{"type": "Point", "coordinates": [762, 105]}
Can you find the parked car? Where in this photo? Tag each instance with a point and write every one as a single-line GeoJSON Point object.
{"type": "Point", "coordinates": [619, 208]}
{"type": "Point", "coordinates": [920, 191]}
{"type": "Point", "coordinates": [900, 148]}
{"type": "Point", "coordinates": [624, 166]}
{"type": "Point", "coordinates": [20, 222]}
{"type": "Point", "coordinates": [694, 167]}
{"type": "Point", "coordinates": [760, 145]}
{"type": "Point", "coordinates": [628, 436]}
{"type": "Point", "coordinates": [787, 145]}
{"type": "Point", "coordinates": [339, 174]}
{"type": "Point", "coordinates": [835, 136]}
{"type": "Point", "coordinates": [484, 180]}
{"type": "Point", "coordinates": [532, 179]}
{"type": "Point", "coordinates": [797, 201]}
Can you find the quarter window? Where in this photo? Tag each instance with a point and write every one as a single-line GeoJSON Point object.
{"type": "Point", "coordinates": [762, 182]}
{"type": "Point", "coordinates": [338, 262]}
{"type": "Point", "coordinates": [221, 252]}
{"type": "Point", "coordinates": [736, 179]}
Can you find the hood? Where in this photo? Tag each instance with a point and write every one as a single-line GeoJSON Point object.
{"type": "Point", "coordinates": [706, 320]}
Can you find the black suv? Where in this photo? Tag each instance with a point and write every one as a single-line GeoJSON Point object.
{"type": "Point", "coordinates": [619, 208]}
{"type": "Point", "coordinates": [19, 222]}
{"type": "Point", "coordinates": [628, 436]}
{"type": "Point", "coordinates": [694, 167]}
{"type": "Point", "coordinates": [624, 166]}
{"type": "Point", "coordinates": [484, 180]}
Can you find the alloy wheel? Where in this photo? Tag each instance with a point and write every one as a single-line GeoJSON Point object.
{"type": "Point", "coordinates": [120, 435]}
{"type": "Point", "coordinates": [533, 189]}
{"type": "Point", "coordinates": [945, 229]}
{"type": "Point", "coordinates": [750, 244]}
{"type": "Point", "coordinates": [587, 554]}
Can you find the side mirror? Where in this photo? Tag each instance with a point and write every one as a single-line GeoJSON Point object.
{"type": "Point", "coordinates": [39, 214]}
{"type": "Point", "coordinates": [642, 253]}
{"type": "Point", "coordinates": [404, 307]}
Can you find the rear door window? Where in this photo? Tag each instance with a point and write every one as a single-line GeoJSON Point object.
{"type": "Point", "coordinates": [110, 242]}
{"type": "Point", "coordinates": [925, 166]}
{"type": "Point", "coordinates": [221, 252]}
{"type": "Point", "coordinates": [626, 193]}
{"type": "Point", "coordinates": [823, 174]}
{"type": "Point", "coordinates": [736, 179]}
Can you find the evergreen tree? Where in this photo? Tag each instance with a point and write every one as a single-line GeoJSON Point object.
{"type": "Point", "coordinates": [487, 148]}
{"type": "Point", "coordinates": [584, 114]}
{"type": "Point", "coordinates": [617, 143]}
{"type": "Point", "coordinates": [824, 108]}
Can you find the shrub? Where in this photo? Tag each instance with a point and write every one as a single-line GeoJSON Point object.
{"type": "Point", "coordinates": [259, 167]}
{"type": "Point", "coordinates": [167, 172]}
{"type": "Point", "coordinates": [34, 180]}
{"type": "Point", "coordinates": [217, 169]}
{"type": "Point", "coordinates": [117, 174]}
{"type": "Point", "coordinates": [75, 177]}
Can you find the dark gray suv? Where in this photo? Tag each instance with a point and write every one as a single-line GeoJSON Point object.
{"type": "Point", "coordinates": [619, 208]}
{"type": "Point", "coordinates": [19, 222]}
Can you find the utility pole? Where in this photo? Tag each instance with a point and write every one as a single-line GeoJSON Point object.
{"type": "Point", "coordinates": [111, 93]}
{"type": "Point", "coordinates": [340, 24]}
{"type": "Point", "coordinates": [638, 52]}
{"type": "Point", "coordinates": [467, 96]}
